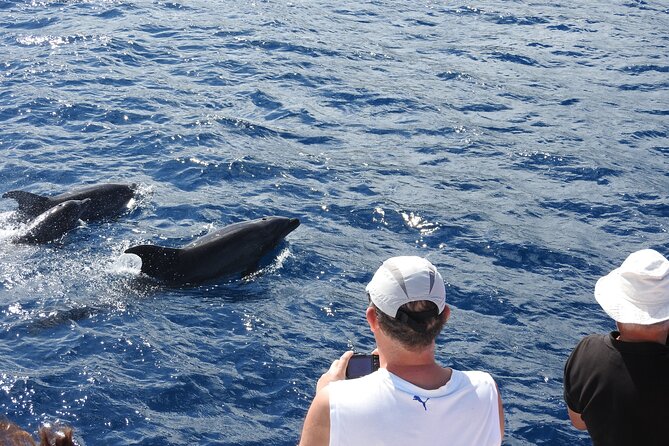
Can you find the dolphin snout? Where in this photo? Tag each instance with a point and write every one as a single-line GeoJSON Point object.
{"type": "Point", "coordinates": [84, 205]}
{"type": "Point", "coordinates": [293, 223]}
{"type": "Point", "coordinates": [284, 226]}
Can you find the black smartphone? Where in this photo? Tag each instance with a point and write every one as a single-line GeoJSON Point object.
{"type": "Point", "coordinates": [361, 365]}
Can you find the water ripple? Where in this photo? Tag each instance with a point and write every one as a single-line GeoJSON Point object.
{"type": "Point", "coordinates": [523, 151]}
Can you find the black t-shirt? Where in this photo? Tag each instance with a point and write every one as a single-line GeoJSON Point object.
{"type": "Point", "coordinates": [621, 390]}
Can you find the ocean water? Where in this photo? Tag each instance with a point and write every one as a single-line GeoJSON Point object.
{"type": "Point", "coordinates": [521, 146]}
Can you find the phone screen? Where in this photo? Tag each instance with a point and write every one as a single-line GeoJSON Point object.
{"type": "Point", "coordinates": [361, 365]}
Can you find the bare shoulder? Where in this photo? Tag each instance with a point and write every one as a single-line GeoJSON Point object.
{"type": "Point", "coordinates": [316, 429]}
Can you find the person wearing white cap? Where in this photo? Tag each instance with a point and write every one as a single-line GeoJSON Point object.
{"type": "Point", "coordinates": [617, 385]}
{"type": "Point", "coordinates": [410, 399]}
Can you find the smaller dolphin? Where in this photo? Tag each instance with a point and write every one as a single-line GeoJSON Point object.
{"type": "Point", "coordinates": [107, 200]}
{"type": "Point", "coordinates": [54, 223]}
{"type": "Point", "coordinates": [236, 248]}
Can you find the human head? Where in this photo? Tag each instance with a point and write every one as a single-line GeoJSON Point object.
{"type": "Point", "coordinates": [61, 436]}
{"type": "Point", "coordinates": [638, 291]}
{"type": "Point", "coordinates": [12, 435]}
{"type": "Point", "coordinates": [409, 298]}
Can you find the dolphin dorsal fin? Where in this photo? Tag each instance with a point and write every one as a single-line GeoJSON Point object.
{"type": "Point", "coordinates": [29, 203]}
{"type": "Point", "coordinates": [157, 261]}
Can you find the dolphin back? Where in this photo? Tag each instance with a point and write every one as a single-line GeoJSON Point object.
{"type": "Point", "coordinates": [54, 222]}
{"type": "Point", "coordinates": [30, 205]}
{"type": "Point", "coordinates": [107, 200]}
{"type": "Point", "coordinates": [157, 261]}
{"type": "Point", "coordinates": [236, 248]}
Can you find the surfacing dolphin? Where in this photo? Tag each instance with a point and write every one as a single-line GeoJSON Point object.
{"type": "Point", "coordinates": [107, 200]}
{"type": "Point", "coordinates": [234, 249]}
{"type": "Point", "coordinates": [54, 223]}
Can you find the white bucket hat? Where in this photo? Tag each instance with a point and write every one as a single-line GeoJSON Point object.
{"type": "Point", "coordinates": [400, 280]}
{"type": "Point", "coordinates": [638, 291]}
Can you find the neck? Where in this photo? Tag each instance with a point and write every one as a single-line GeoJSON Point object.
{"type": "Point", "coordinates": [642, 333]}
{"type": "Point", "coordinates": [400, 358]}
{"type": "Point", "coordinates": [419, 368]}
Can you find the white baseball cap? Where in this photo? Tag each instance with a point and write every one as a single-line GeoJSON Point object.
{"type": "Point", "coordinates": [638, 291]}
{"type": "Point", "coordinates": [400, 280]}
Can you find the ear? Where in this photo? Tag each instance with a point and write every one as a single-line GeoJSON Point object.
{"type": "Point", "coordinates": [446, 313]}
{"type": "Point", "coordinates": [372, 320]}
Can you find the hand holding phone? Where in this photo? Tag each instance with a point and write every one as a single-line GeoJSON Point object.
{"type": "Point", "coordinates": [361, 365]}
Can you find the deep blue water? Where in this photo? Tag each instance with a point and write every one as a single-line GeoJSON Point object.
{"type": "Point", "coordinates": [521, 146]}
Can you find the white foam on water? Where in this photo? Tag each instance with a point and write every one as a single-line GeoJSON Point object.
{"type": "Point", "coordinates": [127, 264]}
{"type": "Point", "coordinates": [8, 227]}
{"type": "Point", "coordinates": [275, 265]}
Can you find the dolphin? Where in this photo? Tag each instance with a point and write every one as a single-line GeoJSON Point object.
{"type": "Point", "coordinates": [236, 248]}
{"type": "Point", "coordinates": [107, 200]}
{"type": "Point", "coordinates": [54, 222]}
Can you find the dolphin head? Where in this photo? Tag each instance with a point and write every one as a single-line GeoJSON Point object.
{"type": "Point", "coordinates": [109, 200]}
{"type": "Point", "coordinates": [78, 205]}
{"type": "Point", "coordinates": [278, 227]}
{"type": "Point", "coordinates": [270, 231]}
{"type": "Point", "coordinates": [70, 211]}
{"type": "Point", "coordinates": [55, 222]}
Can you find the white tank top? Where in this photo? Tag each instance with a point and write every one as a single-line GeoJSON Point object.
{"type": "Point", "coordinates": [383, 409]}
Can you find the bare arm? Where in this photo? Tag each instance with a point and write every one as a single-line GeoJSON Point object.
{"type": "Point", "coordinates": [501, 412]}
{"type": "Point", "coordinates": [316, 429]}
{"type": "Point", "coordinates": [576, 420]}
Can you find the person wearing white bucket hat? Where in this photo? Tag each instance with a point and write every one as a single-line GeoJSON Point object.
{"type": "Point", "coordinates": [410, 399]}
{"type": "Point", "coordinates": [617, 385]}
